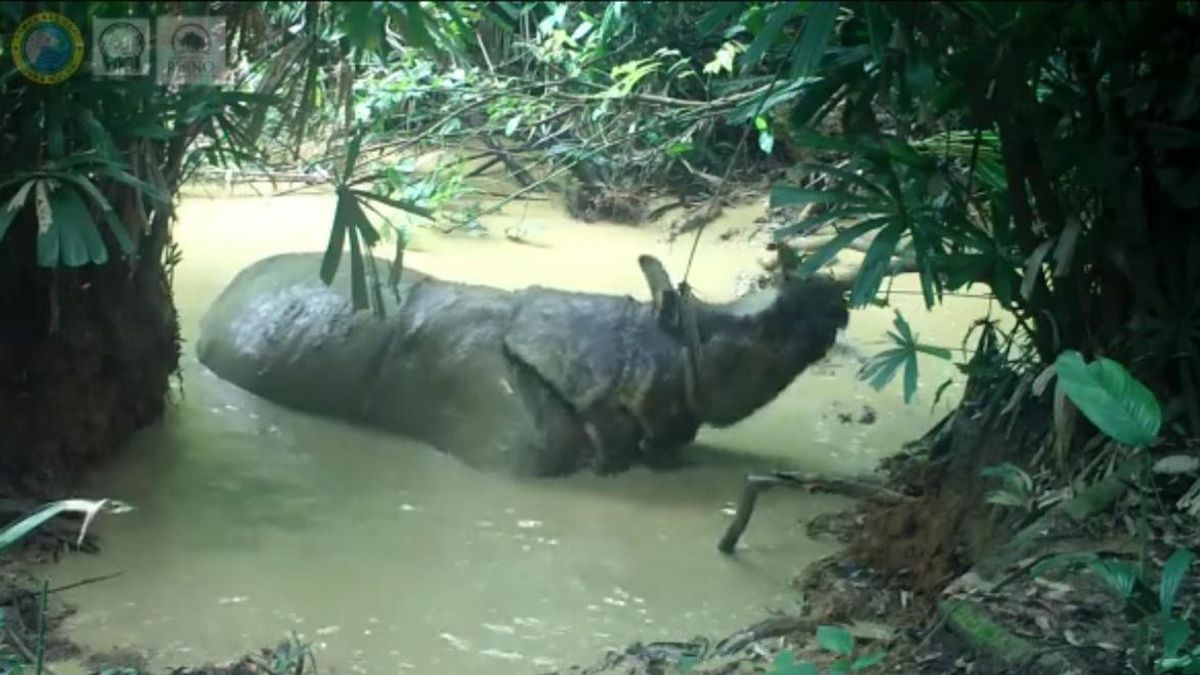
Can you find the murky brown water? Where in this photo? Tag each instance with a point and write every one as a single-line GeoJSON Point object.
{"type": "Point", "coordinates": [253, 521]}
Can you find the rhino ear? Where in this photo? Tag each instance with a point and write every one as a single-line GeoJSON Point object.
{"type": "Point", "coordinates": [663, 296]}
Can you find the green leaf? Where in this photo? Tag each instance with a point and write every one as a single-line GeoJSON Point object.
{"type": "Point", "coordinates": [910, 377]}
{"type": "Point", "coordinates": [10, 208]}
{"type": "Point", "coordinates": [511, 127]}
{"type": "Point", "coordinates": [812, 99]}
{"type": "Point", "coordinates": [1175, 634]}
{"type": "Point", "coordinates": [835, 639]}
{"type": "Point", "coordinates": [814, 38]}
{"type": "Point", "coordinates": [80, 240]}
{"type": "Point", "coordinates": [939, 352]}
{"type": "Point", "coordinates": [941, 391]}
{"type": "Point", "coordinates": [401, 204]}
{"type": "Point", "coordinates": [1174, 570]}
{"type": "Point", "coordinates": [416, 32]}
{"type": "Point", "coordinates": [1120, 576]}
{"type": "Point", "coordinates": [776, 19]}
{"type": "Point", "coordinates": [713, 18]}
{"type": "Point", "coordinates": [766, 142]}
{"type": "Point", "coordinates": [358, 278]}
{"type": "Point", "coordinates": [786, 195]}
{"type": "Point", "coordinates": [342, 221]}
{"type": "Point", "coordinates": [875, 265]}
{"type": "Point", "coordinates": [785, 664]}
{"type": "Point", "coordinates": [89, 507]}
{"type": "Point", "coordinates": [882, 367]}
{"type": "Point", "coordinates": [846, 175]}
{"type": "Point", "coordinates": [878, 29]}
{"type": "Point", "coordinates": [1110, 398]}
{"type": "Point", "coordinates": [679, 148]}
{"type": "Point", "coordinates": [152, 192]}
{"type": "Point", "coordinates": [818, 258]}
{"type": "Point", "coordinates": [352, 151]}
{"type": "Point", "coordinates": [1063, 560]}
{"type": "Point", "coordinates": [867, 661]}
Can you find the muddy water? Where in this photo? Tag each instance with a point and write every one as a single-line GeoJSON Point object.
{"type": "Point", "coordinates": [253, 521]}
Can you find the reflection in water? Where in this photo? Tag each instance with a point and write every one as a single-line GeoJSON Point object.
{"type": "Point", "coordinates": [253, 520]}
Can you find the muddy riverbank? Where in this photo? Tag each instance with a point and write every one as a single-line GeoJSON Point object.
{"type": "Point", "coordinates": [253, 522]}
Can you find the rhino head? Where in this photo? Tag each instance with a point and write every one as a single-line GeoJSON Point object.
{"type": "Point", "coordinates": [742, 354]}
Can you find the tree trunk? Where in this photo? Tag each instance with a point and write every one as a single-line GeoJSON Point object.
{"type": "Point", "coordinates": [85, 359]}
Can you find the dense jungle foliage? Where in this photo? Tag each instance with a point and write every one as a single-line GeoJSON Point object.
{"type": "Point", "coordinates": [1046, 152]}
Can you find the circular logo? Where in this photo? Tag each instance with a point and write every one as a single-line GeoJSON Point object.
{"type": "Point", "coordinates": [47, 48]}
{"type": "Point", "coordinates": [121, 47]}
{"type": "Point", "coordinates": [190, 38]}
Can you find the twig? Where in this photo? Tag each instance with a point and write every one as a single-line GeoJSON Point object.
{"type": "Point", "coordinates": [759, 483]}
{"type": "Point", "coordinates": [84, 582]}
{"type": "Point", "coordinates": [754, 485]}
{"type": "Point", "coordinates": [41, 634]}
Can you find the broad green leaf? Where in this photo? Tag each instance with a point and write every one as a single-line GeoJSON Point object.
{"type": "Point", "coordinates": [352, 150]}
{"type": "Point", "coordinates": [875, 265]}
{"type": "Point", "coordinates": [941, 391]}
{"type": "Point", "coordinates": [860, 181]}
{"type": "Point", "coordinates": [100, 138]}
{"type": "Point", "coordinates": [818, 25]}
{"type": "Point", "coordinates": [776, 19]}
{"type": "Point", "coordinates": [150, 191]}
{"type": "Point", "coordinates": [1110, 398]}
{"type": "Point", "coordinates": [1005, 498]}
{"type": "Point", "coordinates": [877, 28]}
{"type": "Point", "coordinates": [1174, 571]}
{"type": "Point", "coordinates": [511, 127]}
{"type": "Point", "coordinates": [358, 25]}
{"type": "Point", "coordinates": [10, 208]}
{"type": "Point", "coordinates": [342, 221]}
{"type": "Point", "coordinates": [413, 26]}
{"type": "Point", "coordinates": [833, 213]}
{"type": "Point", "coordinates": [786, 195]}
{"type": "Point", "coordinates": [358, 279]}
{"type": "Point", "coordinates": [940, 352]}
{"type": "Point", "coordinates": [910, 376]}
{"type": "Point", "coordinates": [401, 204]}
{"type": "Point", "coordinates": [679, 148]}
{"type": "Point", "coordinates": [766, 142]}
{"type": "Point", "coordinates": [817, 259]}
{"type": "Point", "coordinates": [857, 147]}
{"type": "Point", "coordinates": [813, 99]}
{"type": "Point", "coordinates": [867, 661]}
{"type": "Point", "coordinates": [881, 368]}
{"type": "Point", "coordinates": [1063, 560]}
{"type": "Point", "coordinates": [785, 664]}
{"type": "Point", "coordinates": [80, 241]}
{"type": "Point", "coordinates": [1175, 634]}
{"type": "Point", "coordinates": [835, 639]}
{"type": "Point", "coordinates": [713, 18]}
{"type": "Point", "coordinates": [48, 239]}
{"type": "Point", "coordinates": [89, 507]}
{"type": "Point", "coordinates": [1120, 576]}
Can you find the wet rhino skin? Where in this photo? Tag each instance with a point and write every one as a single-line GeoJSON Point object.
{"type": "Point", "coordinates": [534, 382]}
